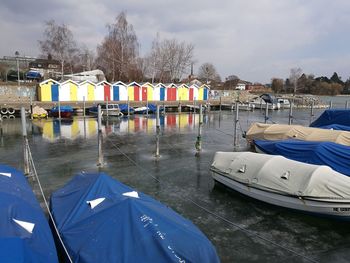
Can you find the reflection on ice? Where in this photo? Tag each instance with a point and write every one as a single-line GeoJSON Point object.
{"type": "Point", "coordinates": [54, 129]}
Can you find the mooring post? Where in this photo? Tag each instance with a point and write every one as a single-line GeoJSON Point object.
{"type": "Point", "coordinates": [312, 108]}
{"type": "Point", "coordinates": [107, 107]}
{"type": "Point", "coordinates": [290, 120]}
{"type": "Point", "coordinates": [194, 104]}
{"type": "Point", "coordinates": [266, 112]}
{"type": "Point", "coordinates": [128, 107]}
{"type": "Point", "coordinates": [157, 131]}
{"type": "Point", "coordinates": [31, 107]}
{"type": "Point", "coordinates": [199, 137]}
{"type": "Point", "coordinates": [330, 104]}
{"type": "Point", "coordinates": [84, 107]}
{"type": "Point", "coordinates": [99, 124]}
{"type": "Point", "coordinates": [235, 144]}
{"type": "Point", "coordinates": [220, 103]}
{"type": "Point", "coordinates": [147, 107]}
{"type": "Point", "coordinates": [163, 107]}
{"type": "Point", "coordinates": [346, 104]}
{"type": "Point", "coordinates": [25, 142]}
{"type": "Point", "coordinates": [179, 108]}
{"type": "Point", "coordinates": [59, 109]}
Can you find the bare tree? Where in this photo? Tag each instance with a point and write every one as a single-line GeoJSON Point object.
{"type": "Point", "coordinates": [119, 49]}
{"type": "Point", "coordinates": [59, 42]}
{"type": "Point", "coordinates": [295, 74]}
{"type": "Point", "coordinates": [169, 59]}
{"type": "Point", "coordinates": [208, 72]}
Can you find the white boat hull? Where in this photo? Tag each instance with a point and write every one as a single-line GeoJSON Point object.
{"type": "Point", "coordinates": [339, 210]}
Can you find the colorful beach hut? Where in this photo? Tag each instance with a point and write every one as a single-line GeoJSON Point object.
{"type": "Point", "coordinates": [86, 90]}
{"type": "Point", "coordinates": [182, 92]}
{"type": "Point", "coordinates": [48, 90]}
{"type": "Point", "coordinates": [159, 93]}
{"type": "Point", "coordinates": [147, 90]}
{"type": "Point", "coordinates": [203, 92]}
{"type": "Point", "coordinates": [120, 91]}
{"type": "Point", "coordinates": [103, 91]}
{"type": "Point", "coordinates": [193, 92]}
{"type": "Point", "coordinates": [134, 90]}
{"type": "Point", "coordinates": [171, 92]}
{"type": "Point", "coordinates": [68, 91]}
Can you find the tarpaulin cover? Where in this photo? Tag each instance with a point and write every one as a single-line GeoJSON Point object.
{"type": "Point", "coordinates": [334, 116]}
{"type": "Point", "coordinates": [103, 220]}
{"type": "Point", "coordinates": [124, 108]}
{"type": "Point", "coordinates": [275, 173]}
{"type": "Point", "coordinates": [25, 235]}
{"type": "Point", "coordinates": [334, 155]}
{"type": "Point", "coordinates": [336, 127]}
{"type": "Point", "coordinates": [64, 108]}
{"type": "Point", "coordinates": [261, 131]}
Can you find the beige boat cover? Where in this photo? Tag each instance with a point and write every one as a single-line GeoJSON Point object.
{"type": "Point", "coordinates": [260, 131]}
{"type": "Point", "coordinates": [275, 173]}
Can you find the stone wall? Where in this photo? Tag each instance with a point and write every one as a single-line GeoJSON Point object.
{"type": "Point", "coordinates": [13, 93]}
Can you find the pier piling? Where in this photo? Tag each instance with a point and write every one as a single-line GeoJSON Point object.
{"type": "Point", "coordinates": [199, 137]}
{"type": "Point", "coordinates": [99, 124]}
{"type": "Point", "coordinates": [290, 120]}
{"type": "Point", "coordinates": [25, 143]}
{"type": "Point", "coordinates": [157, 131]}
{"type": "Point", "coordinates": [266, 112]}
{"type": "Point", "coordinates": [235, 144]}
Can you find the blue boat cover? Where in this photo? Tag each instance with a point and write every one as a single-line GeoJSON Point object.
{"type": "Point", "coordinates": [124, 108]}
{"type": "Point", "coordinates": [334, 155]}
{"type": "Point", "coordinates": [332, 117]}
{"type": "Point", "coordinates": [25, 235]}
{"type": "Point", "coordinates": [63, 108]}
{"type": "Point", "coordinates": [103, 220]}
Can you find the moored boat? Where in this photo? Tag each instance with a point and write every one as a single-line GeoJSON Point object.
{"type": "Point", "coordinates": [107, 110]}
{"type": "Point", "coordinates": [332, 154]}
{"type": "Point", "coordinates": [336, 119]}
{"type": "Point", "coordinates": [66, 111]}
{"type": "Point", "coordinates": [103, 220]}
{"type": "Point", "coordinates": [261, 131]}
{"type": "Point", "coordinates": [279, 181]}
{"type": "Point", "coordinates": [25, 235]}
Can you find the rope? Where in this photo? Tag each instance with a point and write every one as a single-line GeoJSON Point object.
{"type": "Point", "coordinates": [214, 214]}
{"type": "Point", "coordinates": [45, 201]}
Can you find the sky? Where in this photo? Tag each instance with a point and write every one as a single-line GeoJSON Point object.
{"type": "Point", "coordinates": [257, 40]}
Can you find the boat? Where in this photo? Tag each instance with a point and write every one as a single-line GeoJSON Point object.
{"type": "Point", "coordinates": [263, 100]}
{"type": "Point", "coordinates": [151, 109]}
{"type": "Point", "coordinates": [284, 103]}
{"type": "Point", "coordinates": [112, 110]}
{"type": "Point", "coordinates": [66, 111]}
{"type": "Point", "coordinates": [274, 179]}
{"type": "Point", "coordinates": [332, 154]}
{"type": "Point", "coordinates": [335, 119]}
{"type": "Point", "coordinates": [103, 220]}
{"type": "Point", "coordinates": [39, 112]}
{"type": "Point", "coordinates": [124, 109]}
{"type": "Point", "coordinates": [261, 131]}
{"type": "Point", "coordinates": [25, 235]}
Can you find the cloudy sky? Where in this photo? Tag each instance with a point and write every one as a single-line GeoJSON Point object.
{"type": "Point", "coordinates": [253, 39]}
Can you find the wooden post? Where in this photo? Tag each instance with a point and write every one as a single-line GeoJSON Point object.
{"type": "Point", "coordinates": [84, 107]}
{"type": "Point", "coordinates": [346, 104]}
{"type": "Point", "coordinates": [220, 103]}
{"type": "Point", "coordinates": [157, 131]}
{"type": "Point", "coordinates": [59, 109]}
{"type": "Point", "coordinates": [235, 144]}
{"type": "Point", "coordinates": [128, 107]}
{"type": "Point", "coordinates": [290, 120]}
{"type": "Point", "coordinates": [25, 142]}
{"type": "Point", "coordinates": [199, 137]}
{"type": "Point", "coordinates": [99, 123]}
{"type": "Point", "coordinates": [107, 107]}
{"type": "Point", "coordinates": [330, 104]}
{"type": "Point", "coordinates": [266, 112]}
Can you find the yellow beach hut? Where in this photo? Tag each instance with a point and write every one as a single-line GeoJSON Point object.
{"type": "Point", "coordinates": [183, 92]}
{"type": "Point", "coordinates": [134, 91]}
{"type": "Point", "coordinates": [68, 91]}
{"type": "Point", "coordinates": [48, 90]}
{"type": "Point", "coordinates": [86, 89]}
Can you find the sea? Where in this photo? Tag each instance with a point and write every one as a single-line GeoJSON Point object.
{"type": "Point", "coordinates": [241, 229]}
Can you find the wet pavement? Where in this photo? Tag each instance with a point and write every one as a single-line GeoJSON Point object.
{"type": "Point", "coordinates": [241, 229]}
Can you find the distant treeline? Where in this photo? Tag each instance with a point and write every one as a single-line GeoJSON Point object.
{"type": "Point", "coordinates": [308, 84]}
